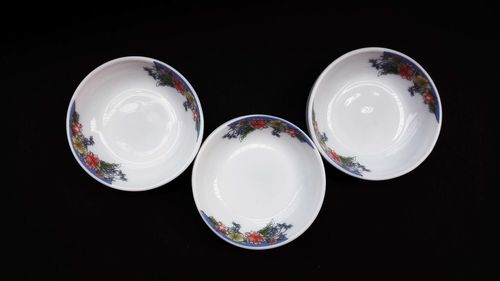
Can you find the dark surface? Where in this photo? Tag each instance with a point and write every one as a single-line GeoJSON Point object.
{"type": "Point", "coordinates": [426, 225]}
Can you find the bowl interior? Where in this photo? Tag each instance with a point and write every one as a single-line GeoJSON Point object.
{"type": "Point", "coordinates": [134, 123]}
{"type": "Point", "coordinates": [258, 181]}
{"type": "Point", "coordinates": [374, 113]}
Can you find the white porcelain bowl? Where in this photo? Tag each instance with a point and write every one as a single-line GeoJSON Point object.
{"type": "Point", "coordinates": [134, 123]}
{"type": "Point", "coordinates": [374, 113]}
{"type": "Point", "coordinates": [258, 182]}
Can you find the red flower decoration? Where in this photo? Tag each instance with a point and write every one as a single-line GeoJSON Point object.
{"type": "Point", "coordinates": [77, 128]}
{"type": "Point", "coordinates": [196, 115]}
{"type": "Point", "coordinates": [258, 124]}
{"type": "Point", "coordinates": [92, 161]}
{"type": "Point", "coordinates": [179, 85]}
{"type": "Point", "coordinates": [406, 71]}
{"type": "Point", "coordinates": [255, 237]}
{"type": "Point", "coordinates": [334, 156]}
{"type": "Point", "coordinates": [272, 241]}
{"type": "Point", "coordinates": [428, 98]}
{"type": "Point", "coordinates": [222, 228]}
{"type": "Point", "coordinates": [292, 132]}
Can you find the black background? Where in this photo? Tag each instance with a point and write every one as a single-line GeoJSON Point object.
{"type": "Point", "coordinates": [251, 58]}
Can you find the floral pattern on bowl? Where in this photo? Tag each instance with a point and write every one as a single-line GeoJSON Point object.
{"type": "Point", "coordinates": [242, 128]}
{"type": "Point", "coordinates": [105, 171]}
{"type": "Point", "coordinates": [390, 63]}
{"type": "Point", "coordinates": [165, 76]}
{"type": "Point", "coordinates": [347, 163]}
{"type": "Point", "coordinates": [271, 234]}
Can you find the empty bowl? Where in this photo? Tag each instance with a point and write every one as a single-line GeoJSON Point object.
{"type": "Point", "coordinates": [134, 123]}
{"type": "Point", "coordinates": [374, 113]}
{"type": "Point", "coordinates": [258, 182]}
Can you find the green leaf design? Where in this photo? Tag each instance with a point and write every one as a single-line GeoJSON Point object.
{"type": "Point", "coordinates": [348, 161]}
{"type": "Point", "coordinates": [266, 230]}
{"type": "Point", "coordinates": [166, 80]}
{"type": "Point", "coordinates": [432, 107]}
{"type": "Point", "coordinates": [213, 221]}
{"type": "Point", "coordinates": [76, 117]}
{"type": "Point", "coordinates": [301, 138]}
{"type": "Point", "coordinates": [245, 130]}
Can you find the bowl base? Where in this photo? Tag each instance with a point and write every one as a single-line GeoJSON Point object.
{"type": "Point", "coordinates": [139, 126]}
{"type": "Point", "coordinates": [248, 185]}
{"type": "Point", "coordinates": [367, 117]}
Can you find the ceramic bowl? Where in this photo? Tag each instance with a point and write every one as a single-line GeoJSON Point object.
{"type": "Point", "coordinates": [374, 113]}
{"type": "Point", "coordinates": [258, 182]}
{"type": "Point", "coordinates": [134, 123]}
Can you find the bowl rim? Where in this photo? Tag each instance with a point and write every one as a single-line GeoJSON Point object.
{"type": "Point", "coordinates": [317, 210]}
{"type": "Point", "coordinates": [312, 94]}
{"type": "Point", "coordinates": [139, 59]}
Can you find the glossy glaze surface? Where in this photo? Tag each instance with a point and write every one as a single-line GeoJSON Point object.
{"type": "Point", "coordinates": [136, 123]}
{"type": "Point", "coordinates": [375, 113]}
{"type": "Point", "coordinates": [271, 181]}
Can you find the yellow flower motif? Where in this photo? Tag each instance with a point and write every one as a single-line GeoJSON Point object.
{"type": "Point", "coordinates": [79, 146]}
{"type": "Point", "coordinates": [421, 81]}
{"type": "Point", "coordinates": [277, 124]}
{"type": "Point", "coordinates": [238, 237]}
